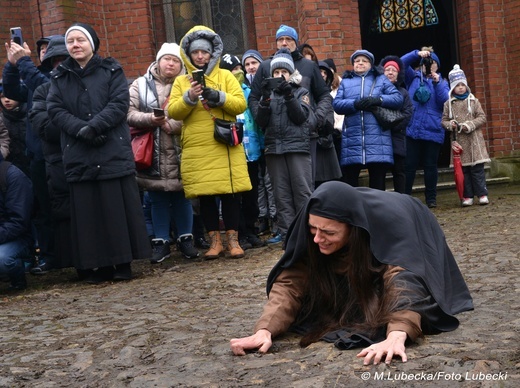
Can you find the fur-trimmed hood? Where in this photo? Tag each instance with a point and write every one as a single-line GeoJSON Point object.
{"type": "Point", "coordinates": [202, 32]}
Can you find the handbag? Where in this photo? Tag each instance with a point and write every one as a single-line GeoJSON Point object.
{"type": "Point", "coordinates": [230, 133]}
{"type": "Point", "coordinates": [387, 118]}
{"type": "Point", "coordinates": [142, 144]}
{"type": "Point", "coordinates": [142, 147]}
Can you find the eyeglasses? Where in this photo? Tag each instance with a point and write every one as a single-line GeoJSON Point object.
{"type": "Point", "coordinates": [285, 39]}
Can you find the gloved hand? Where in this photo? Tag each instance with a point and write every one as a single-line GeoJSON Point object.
{"type": "Point", "coordinates": [98, 141]}
{"type": "Point", "coordinates": [366, 102]}
{"type": "Point", "coordinates": [86, 134]}
{"type": "Point", "coordinates": [211, 95]}
{"type": "Point", "coordinates": [285, 89]}
{"type": "Point", "coordinates": [266, 90]}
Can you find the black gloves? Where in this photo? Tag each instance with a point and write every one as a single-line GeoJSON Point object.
{"type": "Point", "coordinates": [98, 141]}
{"type": "Point", "coordinates": [89, 136]}
{"type": "Point", "coordinates": [211, 95]}
{"type": "Point", "coordinates": [285, 89]}
{"type": "Point", "coordinates": [266, 90]}
{"type": "Point", "coordinates": [366, 102]}
{"type": "Point", "coordinates": [86, 134]}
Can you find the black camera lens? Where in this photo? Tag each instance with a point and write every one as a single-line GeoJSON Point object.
{"type": "Point", "coordinates": [427, 62]}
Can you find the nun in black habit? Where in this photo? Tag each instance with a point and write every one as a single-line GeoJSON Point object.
{"type": "Point", "coordinates": [362, 268]}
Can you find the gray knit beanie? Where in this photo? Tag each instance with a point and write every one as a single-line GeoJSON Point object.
{"type": "Point", "coordinates": [201, 44]}
{"type": "Point", "coordinates": [282, 60]}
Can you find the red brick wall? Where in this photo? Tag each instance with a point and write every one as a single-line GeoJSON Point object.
{"type": "Point", "coordinates": [325, 25]}
{"type": "Point", "coordinates": [511, 70]}
{"type": "Point", "coordinates": [487, 33]}
{"type": "Point", "coordinates": [488, 36]}
{"type": "Point", "coordinates": [268, 17]}
{"type": "Point", "coordinates": [124, 27]}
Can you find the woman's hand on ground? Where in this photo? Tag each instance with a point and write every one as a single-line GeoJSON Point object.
{"type": "Point", "coordinates": [392, 346]}
{"type": "Point", "coordinates": [261, 340]}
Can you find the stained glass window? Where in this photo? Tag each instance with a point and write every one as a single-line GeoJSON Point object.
{"type": "Point", "coordinates": [397, 15]}
{"type": "Point", "coordinates": [223, 16]}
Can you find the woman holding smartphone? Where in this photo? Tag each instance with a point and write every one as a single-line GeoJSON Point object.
{"type": "Point", "coordinates": [210, 169]}
{"type": "Point", "coordinates": [149, 95]}
{"type": "Point", "coordinates": [88, 102]}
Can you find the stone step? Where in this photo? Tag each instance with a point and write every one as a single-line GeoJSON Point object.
{"type": "Point", "coordinates": [445, 180]}
{"type": "Point", "coordinates": [451, 185]}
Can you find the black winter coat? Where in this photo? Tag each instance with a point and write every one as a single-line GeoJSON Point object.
{"type": "Point", "coordinates": [399, 132]}
{"type": "Point", "coordinates": [319, 92]}
{"type": "Point", "coordinates": [16, 123]}
{"type": "Point", "coordinates": [50, 138]}
{"type": "Point", "coordinates": [286, 123]}
{"type": "Point", "coordinates": [97, 96]}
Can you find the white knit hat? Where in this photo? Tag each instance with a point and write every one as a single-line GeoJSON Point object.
{"type": "Point", "coordinates": [456, 76]}
{"type": "Point", "coordinates": [169, 49]}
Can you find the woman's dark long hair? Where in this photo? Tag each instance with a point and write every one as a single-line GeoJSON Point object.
{"type": "Point", "coordinates": [349, 289]}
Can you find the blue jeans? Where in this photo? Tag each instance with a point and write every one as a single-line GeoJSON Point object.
{"type": "Point", "coordinates": [12, 254]}
{"type": "Point", "coordinates": [423, 152]}
{"type": "Point", "coordinates": [167, 205]}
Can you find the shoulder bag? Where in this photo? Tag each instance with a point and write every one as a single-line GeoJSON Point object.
{"type": "Point", "coordinates": [226, 132]}
{"type": "Point", "coordinates": [387, 118]}
{"type": "Point", "coordinates": [142, 145]}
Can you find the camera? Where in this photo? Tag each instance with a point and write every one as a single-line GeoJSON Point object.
{"type": "Point", "coordinates": [16, 35]}
{"type": "Point", "coordinates": [273, 82]}
{"type": "Point", "coordinates": [427, 62]}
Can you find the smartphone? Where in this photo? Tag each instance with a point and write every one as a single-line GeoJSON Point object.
{"type": "Point", "coordinates": [16, 35]}
{"type": "Point", "coordinates": [274, 82]}
{"type": "Point", "coordinates": [198, 76]}
{"type": "Point", "coordinates": [158, 112]}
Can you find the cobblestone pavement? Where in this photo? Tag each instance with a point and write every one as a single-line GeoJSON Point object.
{"type": "Point", "coordinates": [171, 325]}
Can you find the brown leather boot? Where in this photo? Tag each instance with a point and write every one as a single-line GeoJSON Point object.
{"type": "Point", "coordinates": [216, 249]}
{"type": "Point", "coordinates": [233, 247]}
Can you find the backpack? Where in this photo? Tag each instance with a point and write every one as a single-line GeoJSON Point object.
{"type": "Point", "coordinates": [3, 175]}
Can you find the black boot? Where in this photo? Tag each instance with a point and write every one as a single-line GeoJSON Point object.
{"type": "Point", "coordinates": [199, 238]}
{"type": "Point", "coordinates": [123, 272]}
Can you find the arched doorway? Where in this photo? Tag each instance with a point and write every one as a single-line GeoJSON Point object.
{"type": "Point", "coordinates": [435, 27]}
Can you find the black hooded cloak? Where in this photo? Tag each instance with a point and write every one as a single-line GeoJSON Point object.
{"type": "Point", "coordinates": [403, 232]}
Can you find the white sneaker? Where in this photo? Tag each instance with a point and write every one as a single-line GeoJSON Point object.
{"type": "Point", "coordinates": [467, 202]}
{"type": "Point", "coordinates": [484, 200]}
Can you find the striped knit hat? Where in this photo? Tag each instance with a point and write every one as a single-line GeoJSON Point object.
{"type": "Point", "coordinates": [282, 60]}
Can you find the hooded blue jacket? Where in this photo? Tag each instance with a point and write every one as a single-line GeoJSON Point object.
{"type": "Point", "coordinates": [363, 140]}
{"type": "Point", "coordinates": [426, 119]}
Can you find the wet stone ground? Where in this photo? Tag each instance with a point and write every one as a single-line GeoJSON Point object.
{"type": "Point", "coordinates": [171, 325]}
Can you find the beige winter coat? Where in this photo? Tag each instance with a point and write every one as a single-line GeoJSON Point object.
{"type": "Point", "coordinates": [472, 119]}
{"type": "Point", "coordinates": [169, 178]}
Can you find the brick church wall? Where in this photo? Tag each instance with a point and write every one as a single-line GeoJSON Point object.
{"type": "Point", "coordinates": [488, 41]}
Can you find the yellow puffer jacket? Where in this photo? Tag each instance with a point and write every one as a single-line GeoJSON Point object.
{"type": "Point", "coordinates": [208, 167]}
